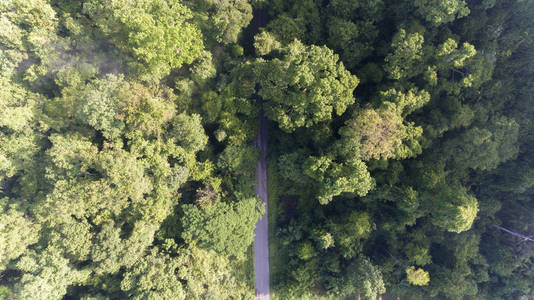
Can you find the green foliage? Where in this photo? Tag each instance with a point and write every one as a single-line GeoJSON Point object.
{"type": "Point", "coordinates": [305, 251]}
{"type": "Point", "coordinates": [99, 106]}
{"type": "Point", "coordinates": [417, 276]}
{"type": "Point", "coordinates": [265, 43]}
{"type": "Point", "coordinates": [27, 28]}
{"type": "Point", "coordinates": [484, 148]}
{"type": "Point", "coordinates": [454, 209]}
{"type": "Point", "coordinates": [405, 102]}
{"type": "Point", "coordinates": [239, 160]}
{"type": "Point", "coordinates": [16, 151]}
{"type": "Point", "coordinates": [351, 29]}
{"type": "Point", "coordinates": [230, 17]}
{"type": "Point", "coordinates": [374, 134]}
{"type": "Point", "coordinates": [154, 277]}
{"type": "Point", "coordinates": [350, 38]}
{"type": "Point", "coordinates": [306, 86]}
{"type": "Point", "coordinates": [16, 233]}
{"type": "Point", "coordinates": [368, 280]}
{"type": "Point", "coordinates": [449, 53]}
{"type": "Point", "coordinates": [286, 29]}
{"type": "Point", "coordinates": [295, 20]}
{"type": "Point", "coordinates": [438, 12]}
{"type": "Point", "coordinates": [332, 178]}
{"type": "Point", "coordinates": [17, 105]}
{"type": "Point", "coordinates": [237, 51]}
{"type": "Point", "coordinates": [380, 134]}
{"type": "Point", "coordinates": [46, 275]}
{"type": "Point", "coordinates": [5, 292]}
{"type": "Point", "coordinates": [193, 274]}
{"type": "Point", "coordinates": [208, 276]}
{"type": "Point", "coordinates": [349, 232]}
{"type": "Point", "coordinates": [418, 254]}
{"type": "Point", "coordinates": [225, 228]}
{"type": "Point", "coordinates": [221, 21]}
{"type": "Point", "coordinates": [109, 174]}
{"type": "Point", "coordinates": [127, 162]}
{"type": "Point", "coordinates": [290, 168]}
{"type": "Point", "coordinates": [324, 240]}
{"type": "Point", "coordinates": [156, 32]}
{"type": "Point", "coordinates": [203, 68]}
{"type": "Point", "coordinates": [405, 59]}
{"type": "Point", "coordinates": [18, 142]}
{"type": "Point", "coordinates": [187, 131]}
{"type": "Point", "coordinates": [360, 277]}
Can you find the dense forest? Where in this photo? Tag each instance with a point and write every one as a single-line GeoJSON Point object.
{"type": "Point", "coordinates": [401, 148]}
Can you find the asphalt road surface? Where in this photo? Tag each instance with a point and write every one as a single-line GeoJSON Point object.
{"type": "Point", "coordinates": [261, 238]}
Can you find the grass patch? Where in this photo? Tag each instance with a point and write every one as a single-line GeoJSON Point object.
{"type": "Point", "coordinates": [248, 267]}
{"type": "Point", "coordinates": [244, 270]}
{"type": "Point", "coordinates": [275, 262]}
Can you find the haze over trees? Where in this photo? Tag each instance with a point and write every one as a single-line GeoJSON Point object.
{"type": "Point", "coordinates": [401, 140]}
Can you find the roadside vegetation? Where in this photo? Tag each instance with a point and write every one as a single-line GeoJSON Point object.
{"type": "Point", "coordinates": [401, 148]}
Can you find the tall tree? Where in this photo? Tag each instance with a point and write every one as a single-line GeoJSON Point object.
{"type": "Point", "coordinates": [304, 87]}
{"type": "Point", "coordinates": [225, 228]}
{"type": "Point", "coordinates": [158, 33]}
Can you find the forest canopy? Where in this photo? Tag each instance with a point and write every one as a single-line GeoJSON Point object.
{"type": "Point", "coordinates": [401, 148]}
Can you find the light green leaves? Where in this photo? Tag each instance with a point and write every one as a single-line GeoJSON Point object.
{"type": "Point", "coordinates": [229, 18]}
{"type": "Point", "coordinates": [382, 133]}
{"type": "Point", "coordinates": [332, 178]}
{"type": "Point", "coordinates": [443, 11]}
{"type": "Point", "coordinates": [406, 56]}
{"type": "Point", "coordinates": [193, 273]}
{"type": "Point", "coordinates": [349, 231]}
{"type": "Point", "coordinates": [187, 131]}
{"type": "Point", "coordinates": [99, 106]}
{"type": "Point", "coordinates": [454, 209]}
{"type": "Point", "coordinates": [156, 32]}
{"type": "Point", "coordinates": [374, 134]}
{"type": "Point", "coordinates": [227, 228]}
{"type": "Point", "coordinates": [405, 102]}
{"type": "Point", "coordinates": [417, 276]}
{"type": "Point", "coordinates": [265, 42]}
{"type": "Point", "coordinates": [46, 275]}
{"type": "Point", "coordinates": [368, 279]}
{"type": "Point", "coordinates": [306, 86]}
{"type": "Point", "coordinates": [153, 277]}
{"type": "Point", "coordinates": [17, 232]}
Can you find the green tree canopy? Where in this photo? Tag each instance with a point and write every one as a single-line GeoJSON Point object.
{"type": "Point", "coordinates": [304, 87]}
{"type": "Point", "coordinates": [332, 178]}
{"type": "Point", "coordinates": [438, 12]}
{"type": "Point", "coordinates": [227, 228]}
{"type": "Point", "coordinates": [417, 276]}
{"type": "Point", "coordinates": [16, 233]}
{"type": "Point", "coordinates": [158, 33]}
{"type": "Point", "coordinates": [405, 60]}
{"type": "Point", "coordinates": [193, 274]}
{"type": "Point", "coordinates": [454, 209]}
{"type": "Point", "coordinates": [46, 275]}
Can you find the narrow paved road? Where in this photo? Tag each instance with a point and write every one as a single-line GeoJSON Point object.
{"type": "Point", "coordinates": [261, 239]}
